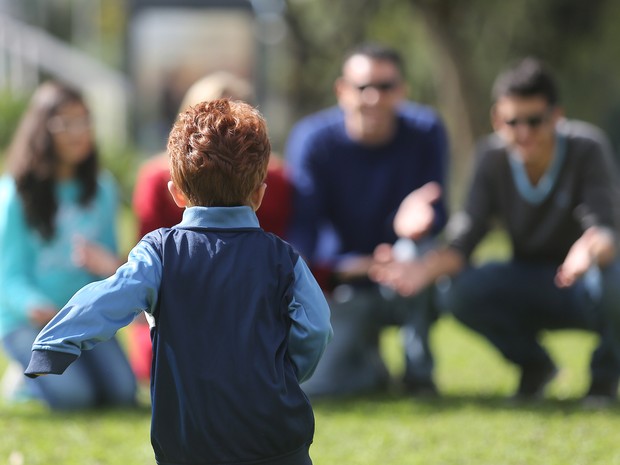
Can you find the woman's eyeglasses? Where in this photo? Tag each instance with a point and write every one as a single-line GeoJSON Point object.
{"type": "Point", "coordinates": [59, 125]}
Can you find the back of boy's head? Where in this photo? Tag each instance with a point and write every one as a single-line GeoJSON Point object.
{"type": "Point", "coordinates": [219, 152]}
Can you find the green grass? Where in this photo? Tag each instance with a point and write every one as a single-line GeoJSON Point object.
{"type": "Point", "coordinates": [472, 423]}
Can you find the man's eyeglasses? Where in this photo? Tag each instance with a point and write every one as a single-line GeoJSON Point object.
{"type": "Point", "coordinates": [384, 86]}
{"type": "Point", "coordinates": [531, 121]}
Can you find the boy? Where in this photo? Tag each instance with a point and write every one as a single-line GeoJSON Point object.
{"type": "Point", "coordinates": [237, 320]}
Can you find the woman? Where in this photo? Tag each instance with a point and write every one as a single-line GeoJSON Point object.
{"type": "Point", "coordinates": [57, 233]}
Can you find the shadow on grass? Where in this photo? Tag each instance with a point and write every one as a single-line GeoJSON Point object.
{"type": "Point", "coordinates": [35, 411]}
{"type": "Point", "coordinates": [452, 403]}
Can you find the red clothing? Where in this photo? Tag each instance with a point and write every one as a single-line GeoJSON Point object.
{"type": "Point", "coordinates": [154, 208]}
{"type": "Point", "coordinates": [152, 203]}
{"type": "Point", "coordinates": [276, 210]}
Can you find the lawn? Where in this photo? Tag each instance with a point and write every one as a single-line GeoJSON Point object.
{"type": "Point", "coordinates": [472, 423]}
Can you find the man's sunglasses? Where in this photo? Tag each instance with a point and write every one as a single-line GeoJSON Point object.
{"type": "Point", "coordinates": [384, 86]}
{"type": "Point", "coordinates": [532, 121]}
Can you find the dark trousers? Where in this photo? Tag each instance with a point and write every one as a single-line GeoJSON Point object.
{"type": "Point", "coordinates": [352, 363]}
{"type": "Point", "coordinates": [511, 303]}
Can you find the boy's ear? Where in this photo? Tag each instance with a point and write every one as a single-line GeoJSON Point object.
{"type": "Point", "coordinates": [178, 196]}
{"type": "Point", "coordinates": [257, 196]}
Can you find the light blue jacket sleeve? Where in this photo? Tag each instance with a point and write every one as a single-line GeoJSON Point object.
{"type": "Point", "coordinates": [18, 291]}
{"type": "Point", "coordinates": [311, 329]}
{"type": "Point", "coordinates": [97, 311]}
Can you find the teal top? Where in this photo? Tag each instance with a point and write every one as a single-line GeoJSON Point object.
{"type": "Point", "coordinates": [35, 272]}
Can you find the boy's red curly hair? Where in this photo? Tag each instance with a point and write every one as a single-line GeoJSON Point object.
{"type": "Point", "coordinates": [219, 152]}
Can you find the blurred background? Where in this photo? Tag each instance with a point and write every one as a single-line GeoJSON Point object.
{"type": "Point", "coordinates": [134, 59]}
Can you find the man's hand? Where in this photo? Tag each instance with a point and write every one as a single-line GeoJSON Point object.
{"type": "Point", "coordinates": [409, 277]}
{"type": "Point", "coordinates": [415, 215]}
{"type": "Point", "coordinates": [406, 277]}
{"type": "Point", "coordinates": [595, 246]}
{"type": "Point", "coordinates": [353, 267]}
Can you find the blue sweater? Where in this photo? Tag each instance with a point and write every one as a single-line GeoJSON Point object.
{"type": "Point", "coordinates": [238, 323]}
{"type": "Point", "coordinates": [346, 194]}
{"type": "Point", "coordinates": [35, 272]}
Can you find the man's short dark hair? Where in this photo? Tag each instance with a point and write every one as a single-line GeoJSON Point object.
{"type": "Point", "coordinates": [378, 51]}
{"type": "Point", "coordinates": [528, 78]}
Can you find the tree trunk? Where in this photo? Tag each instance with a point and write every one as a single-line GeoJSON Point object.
{"type": "Point", "coordinates": [457, 95]}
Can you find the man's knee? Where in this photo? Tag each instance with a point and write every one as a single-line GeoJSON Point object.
{"type": "Point", "coordinates": [61, 395]}
{"type": "Point", "coordinates": [465, 296]}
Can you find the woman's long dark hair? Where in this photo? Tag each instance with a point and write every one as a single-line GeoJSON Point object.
{"type": "Point", "coordinates": [32, 159]}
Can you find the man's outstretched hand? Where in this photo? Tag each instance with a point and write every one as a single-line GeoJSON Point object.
{"type": "Point", "coordinates": [416, 215]}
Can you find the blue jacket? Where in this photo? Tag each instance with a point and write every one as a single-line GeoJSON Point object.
{"type": "Point", "coordinates": [238, 323]}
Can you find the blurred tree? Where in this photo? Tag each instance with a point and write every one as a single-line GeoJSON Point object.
{"type": "Point", "coordinates": [476, 38]}
{"type": "Point", "coordinates": [455, 48]}
{"type": "Point", "coordinates": [318, 41]}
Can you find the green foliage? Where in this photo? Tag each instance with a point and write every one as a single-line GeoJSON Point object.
{"type": "Point", "coordinates": [11, 108]}
{"type": "Point", "coordinates": [454, 50]}
{"type": "Point", "coordinates": [124, 163]}
{"type": "Point", "coordinates": [472, 424]}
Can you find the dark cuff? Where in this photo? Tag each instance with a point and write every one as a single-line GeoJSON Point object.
{"type": "Point", "coordinates": [43, 362]}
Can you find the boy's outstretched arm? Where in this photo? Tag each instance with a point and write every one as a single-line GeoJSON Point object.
{"type": "Point", "coordinates": [311, 329]}
{"type": "Point", "coordinates": [96, 312]}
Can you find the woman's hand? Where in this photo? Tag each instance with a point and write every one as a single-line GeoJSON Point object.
{"type": "Point", "coordinates": [41, 316]}
{"type": "Point", "coordinates": [94, 258]}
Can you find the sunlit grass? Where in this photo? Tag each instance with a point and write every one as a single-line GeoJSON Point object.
{"type": "Point", "coordinates": [472, 423]}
